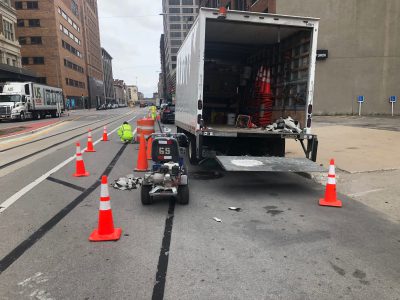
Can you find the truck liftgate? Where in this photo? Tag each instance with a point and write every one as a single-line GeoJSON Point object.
{"type": "Point", "coordinates": [268, 164]}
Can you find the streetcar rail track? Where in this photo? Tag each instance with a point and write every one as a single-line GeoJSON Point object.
{"type": "Point", "coordinates": [10, 163]}
{"type": "Point", "coordinates": [56, 134]}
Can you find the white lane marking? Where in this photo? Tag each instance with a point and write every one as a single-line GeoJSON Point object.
{"type": "Point", "coordinates": [30, 287]}
{"type": "Point", "coordinates": [10, 201]}
{"type": "Point", "coordinates": [364, 193]}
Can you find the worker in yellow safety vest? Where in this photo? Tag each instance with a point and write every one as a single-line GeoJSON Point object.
{"type": "Point", "coordinates": [153, 112]}
{"type": "Point", "coordinates": [125, 133]}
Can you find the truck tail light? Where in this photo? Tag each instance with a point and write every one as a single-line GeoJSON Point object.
{"type": "Point", "coordinates": [222, 13]}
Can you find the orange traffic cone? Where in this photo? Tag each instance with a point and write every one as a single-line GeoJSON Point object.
{"type": "Point", "coordinates": [105, 135]}
{"type": "Point", "coordinates": [142, 165]}
{"type": "Point", "coordinates": [80, 165]}
{"type": "Point", "coordinates": [267, 87]}
{"type": "Point", "coordinates": [105, 229]}
{"type": "Point", "coordinates": [149, 145]}
{"type": "Point", "coordinates": [330, 192]}
{"type": "Point", "coordinates": [90, 147]}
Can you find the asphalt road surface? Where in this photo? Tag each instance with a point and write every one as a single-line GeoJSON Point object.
{"type": "Point", "coordinates": [280, 245]}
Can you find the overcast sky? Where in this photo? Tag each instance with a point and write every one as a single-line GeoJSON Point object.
{"type": "Point", "coordinates": [130, 31]}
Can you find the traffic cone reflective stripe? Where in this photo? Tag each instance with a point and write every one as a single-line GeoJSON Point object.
{"type": "Point", "coordinates": [105, 135]}
{"type": "Point", "coordinates": [142, 165]}
{"type": "Point", "coordinates": [330, 189]}
{"type": "Point", "coordinates": [105, 230]}
{"type": "Point", "coordinates": [149, 145]}
{"type": "Point", "coordinates": [80, 165]}
{"type": "Point", "coordinates": [90, 147]}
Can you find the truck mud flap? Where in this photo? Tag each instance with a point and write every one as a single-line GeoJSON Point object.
{"type": "Point", "coordinates": [268, 164]}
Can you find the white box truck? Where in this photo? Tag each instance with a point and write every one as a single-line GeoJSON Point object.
{"type": "Point", "coordinates": [25, 100]}
{"type": "Point", "coordinates": [223, 65]}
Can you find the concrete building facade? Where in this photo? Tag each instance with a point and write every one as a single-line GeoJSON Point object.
{"type": "Point", "coordinates": [178, 18]}
{"type": "Point", "coordinates": [108, 76]}
{"type": "Point", "coordinates": [10, 53]}
{"type": "Point", "coordinates": [10, 49]}
{"type": "Point", "coordinates": [362, 39]}
{"type": "Point", "coordinates": [92, 48]}
{"type": "Point", "coordinates": [120, 90]}
{"type": "Point", "coordinates": [50, 33]}
{"type": "Point", "coordinates": [363, 42]}
{"type": "Point", "coordinates": [132, 94]}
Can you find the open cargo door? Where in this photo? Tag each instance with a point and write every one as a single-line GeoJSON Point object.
{"type": "Point", "coordinates": [268, 164]}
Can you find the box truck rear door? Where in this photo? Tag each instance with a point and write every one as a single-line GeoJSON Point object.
{"type": "Point", "coordinates": [268, 164]}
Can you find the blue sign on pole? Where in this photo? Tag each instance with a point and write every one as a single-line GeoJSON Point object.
{"type": "Point", "coordinates": [360, 99]}
{"type": "Point", "coordinates": [393, 99]}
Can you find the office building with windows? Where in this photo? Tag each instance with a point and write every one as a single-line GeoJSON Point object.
{"type": "Point", "coordinates": [178, 19]}
{"type": "Point", "coordinates": [51, 39]}
{"type": "Point", "coordinates": [92, 51]}
{"type": "Point", "coordinates": [108, 76]}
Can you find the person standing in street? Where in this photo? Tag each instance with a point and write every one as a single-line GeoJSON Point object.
{"type": "Point", "coordinates": [153, 112]}
{"type": "Point", "coordinates": [125, 133]}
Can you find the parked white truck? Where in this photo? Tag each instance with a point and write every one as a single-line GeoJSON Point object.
{"type": "Point", "coordinates": [244, 84]}
{"type": "Point", "coordinates": [25, 100]}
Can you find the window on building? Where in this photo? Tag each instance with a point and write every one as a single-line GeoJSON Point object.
{"type": "Point", "coordinates": [22, 40]}
{"type": "Point", "coordinates": [175, 18]}
{"type": "Point", "coordinates": [18, 4]}
{"type": "Point", "coordinates": [36, 40]}
{"type": "Point", "coordinates": [25, 60]}
{"type": "Point", "coordinates": [21, 23]}
{"type": "Point", "coordinates": [186, 10]}
{"type": "Point", "coordinates": [74, 8]}
{"type": "Point", "coordinates": [174, 2]}
{"type": "Point", "coordinates": [175, 26]}
{"type": "Point", "coordinates": [38, 60]}
{"type": "Point", "coordinates": [173, 58]}
{"type": "Point", "coordinates": [34, 23]}
{"type": "Point", "coordinates": [175, 34]}
{"type": "Point", "coordinates": [14, 62]}
{"type": "Point", "coordinates": [176, 42]}
{"type": "Point", "coordinates": [8, 30]}
{"type": "Point", "coordinates": [32, 5]}
{"type": "Point", "coordinates": [174, 50]}
{"type": "Point", "coordinates": [42, 80]}
{"type": "Point", "coordinates": [187, 2]}
{"type": "Point", "coordinates": [174, 10]}
{"type": "Point", "coordinates": [173, 66]}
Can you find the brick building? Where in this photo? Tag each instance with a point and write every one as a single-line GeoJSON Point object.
{"type": "Point", "coordinates": [50, 33]}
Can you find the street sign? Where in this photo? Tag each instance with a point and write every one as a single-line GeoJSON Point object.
{"type": "Point", "coordinates": [360, 99]}
{"type": "Point", "coordinates": [393, 99]}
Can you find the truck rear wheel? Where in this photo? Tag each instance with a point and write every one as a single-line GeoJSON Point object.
{"type": "Point", "coordinates": [145, 195]}
{"type": "Point", "coordinates": [192, 151]}
{"type": "Point", "coordinates": [22, 116]}
{"type": "Point", "coordinates": [183, 194]}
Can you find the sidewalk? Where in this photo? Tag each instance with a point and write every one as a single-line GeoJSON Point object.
{"type": "Point", "coordinates": [367, 157]}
